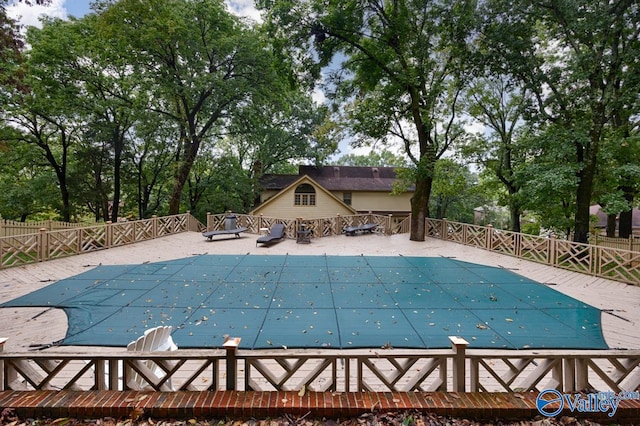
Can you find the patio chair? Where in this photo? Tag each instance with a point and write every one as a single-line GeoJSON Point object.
{"type": "Point", "coordinates": [230, 228]}
{"type": "Point", "coordinates": [354, 230]}
{"type": "Point", "coordinates": [275, 234]}
{"type": "Point", "coordinates": [153, 340]}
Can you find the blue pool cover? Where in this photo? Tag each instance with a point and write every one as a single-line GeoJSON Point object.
{"type": "Point", "coordinates": [319, 302]}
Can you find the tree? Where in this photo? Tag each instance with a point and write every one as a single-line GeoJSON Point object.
{"type": "Point", "coordinates": [273, 131]}
{"type": "Point", "coordinates": [44, 108]}
{"type": "Point", "coordinates": [151, 155]}
{"type": "Point", "coordinates": [579, 61]}
{"type": "Point", "coordinates": [26, 188]}
{"type": "Point", "coordinates": [11, 43]}
{"type": "Point", "coordinates": [401, 72]}
{"type": "Point", "coordinates": [218, 184]}
{"type": "Point", "coordinates": [548, 178]}
{"type": "Point", "coordinates": [199, 62]}
{"type": "Point", "coordinates": [499, 106]}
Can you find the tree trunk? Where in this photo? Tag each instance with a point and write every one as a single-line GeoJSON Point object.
{"type": "Point", "coordinates": [611, 225]}
{"type": "Point", "coordinates": [419, 208]}
{"type": "Point", "coordinates": [181, 175]}
{"type": "Point", "coordinates": [515, 218]}
{"type": "Point", "coordinates": [583, 195]}
{"type": "Point", "coordinates": [625, 227]}
{"type": "Point", "coordinates": [117, 166]}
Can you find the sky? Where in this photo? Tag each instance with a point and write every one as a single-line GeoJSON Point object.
{"type": "Point", "coordinates": [29, 15]}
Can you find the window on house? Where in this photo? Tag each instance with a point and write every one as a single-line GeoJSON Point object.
{"type": "Point", "coordinates": [346, 197]}
{"type": "Point", "coordinates": [305, 195]}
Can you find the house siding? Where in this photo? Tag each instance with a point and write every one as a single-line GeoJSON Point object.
{"type": "Point", "coordinates": [369, 187]}
{"type": "Point", "coordinates": [283, 207]}
{"type": "Point", "coordinates": [366, 201]}
{"type": "Point", "coordinates": [362, 201]}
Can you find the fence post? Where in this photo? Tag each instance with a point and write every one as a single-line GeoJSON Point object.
{"type": "Point", "coordinates": [154, 226]}
{"type": "Point", "coordinates": [389, 230]}
{"type": "Point", "coordinates": [3, 340]}
{"type": "Point", "coordinates": [231, 345]}
{"type": "Point", "coordinates": [569, 375]}
{"type": "Point", "coordinates": [338, 229]}
{"type": "Point", "coordinates": [209, 222]}
{"type": "Point", "coordinates": [488, 241]}
{"type": "Point", "coordinates": [43, 241]}
{"type": "Point", "coordinates": [551, 250]}
{"type": "Point", "coordinates": [109, 237]}
{"type": "Point", "coordinates": [444, 229]}
{"type": "Point", "coordinates": [459, 346]}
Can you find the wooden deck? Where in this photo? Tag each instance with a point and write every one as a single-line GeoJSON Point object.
{"type": "Point", "coordinates": [26, 327]}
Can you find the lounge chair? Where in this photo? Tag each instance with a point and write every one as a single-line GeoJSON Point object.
{"type": "Point", "coordinates": [275, 234]}
{"type": "Point", "coordinates": [354, 230]}
{"type": "Point", "coordinates": [153, 339]}
{"type": "Point", "coordinates": [230, 228]}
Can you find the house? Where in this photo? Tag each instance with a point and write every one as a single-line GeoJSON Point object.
{"type": "Point", "coordinates": [601, 222]}
{"type": "Point", "coordinates": [317, 192]}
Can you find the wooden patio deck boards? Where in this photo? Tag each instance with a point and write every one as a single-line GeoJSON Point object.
{"type": "Point", "coordinates": [41, 326]}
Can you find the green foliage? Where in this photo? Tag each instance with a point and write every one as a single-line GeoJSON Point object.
{"type": "Point", "coordinates": [449, 185]}
{"type": "Point", "coordinates": [280, 130]}
{"type": "Point", "coordinates": [220, 185]}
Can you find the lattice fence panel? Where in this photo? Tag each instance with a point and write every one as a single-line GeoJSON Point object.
{"type": "Point", "coordinates": [575, 257]}
{"type": "Point", "coordinates": [402, 373]}
{"type": "Point", "coordinates": [122, 234]}
{"type": "Point", "coordinates": [19, 250]}
{"type": "Point", "coordinates": [504, 242]}
{"type": "Point", "coordinates": [476, 236]}
{"type": "Point", "coordinates": [608, 374]}
{"type": "Point", "coordinates": [92, 239]}
{"type": "Point", "coordinates": [171, 225]}
{"type": "Point", "coordinates": [216, 222]}
{"type": "Point", "coordinates": [63, 243]}
{"type": "Point", "coordinates": [515, 374]}
{"type": "Point", "coordinates": [252, 223]}
{"type": "Point", "coordinates": [455, 232]}
{"type": "Point", "coordinates": [329, 227]}
{"type": "Point", "coordinates": [165, 375]}
{"type": "Point", "coordinates": [313, 374]}
{"type": "Point", "coordinates": [433, 227]}
{"type": "Point", "coordinates": [621, 265]}
{"type": "Point", "coordinates": [143, 230]}
{"type": "Point", "coordinates": [534, 248]}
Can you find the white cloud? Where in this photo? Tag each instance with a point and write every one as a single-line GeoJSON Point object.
{"type": "Point", "coordinates": [30, 15]}
{"type": "Point", "coordinates": [245, 8]}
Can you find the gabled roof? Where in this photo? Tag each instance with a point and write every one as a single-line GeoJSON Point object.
{"type": "Point", "coordinates": [338, 178]}
{"type": "Point", "coordinates": [293, 185]}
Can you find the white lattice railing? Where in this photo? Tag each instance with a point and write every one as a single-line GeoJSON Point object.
{"type": "Point", "coordinates": [455, 369]}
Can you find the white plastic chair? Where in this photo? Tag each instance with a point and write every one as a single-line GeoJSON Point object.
{"type": "Point", "coordinates": [153, 340]}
